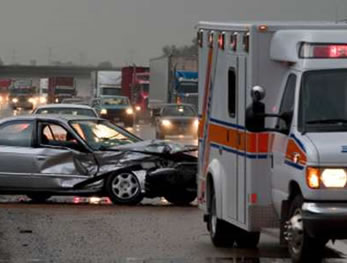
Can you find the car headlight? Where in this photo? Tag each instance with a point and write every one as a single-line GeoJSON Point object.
{"type": "Point", "coordinates": [43, 100]}
{"type": "Point", "coordinates": [138, 108]}
{"type": "Point", "coordinates": [14, 100]}
{"type": "Point", "coordinates": [335, 178]}
{"type": "Point", "coordinates": [129, 111]}
{"type": "Point", "coordinates": [196, 123]}
{"type": "Point", "coordinates": [166, 123]}
{"type": "Point", "coordinates": [330, 177]}
{"type": "Point", "coordinates": [31, 100]}
{"type": "Point", "coordinates": [56, 100]}
{"type": "Point", "coordinates": [103, 112]}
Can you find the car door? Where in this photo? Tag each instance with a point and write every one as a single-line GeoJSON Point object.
{"type": "Point", "coordinates": [17, 154]}
{"type": "Point", "coordinates": [61, 161]}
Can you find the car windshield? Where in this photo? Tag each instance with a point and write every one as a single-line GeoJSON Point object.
{"type": "Point", "coordinates": [323, 101]}
{"type": "Point", "coordinates": [102, 135]}
{"type": "Point", "coordinates": [67, 111]}
{"type": "Point", "coordinates": [178, 110]}
{"type": "Point", "coordinates": [115, 101]}
{"type": "Point", "coordinates": [111, 91]}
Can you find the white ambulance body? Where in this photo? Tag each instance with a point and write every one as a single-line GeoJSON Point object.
{"type": "Point", "coordinates": [293, 173]}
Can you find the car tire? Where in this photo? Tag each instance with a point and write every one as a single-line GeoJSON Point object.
{"type": "Point", "coordinates": [221, 233]}
{"type": "Point", "coordinates": [180, 198]}
{"type": "Point", "coordinates": [39, 197]}
{"type": "Point", "coordinates": [124, 188]}
{"type": "Point", "coordinates": [302, 248]}
{"type": "Point", "coordinates": [246, 239]}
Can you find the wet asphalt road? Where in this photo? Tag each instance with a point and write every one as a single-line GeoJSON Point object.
{"type": "Point", "coordinates": [153, 232]}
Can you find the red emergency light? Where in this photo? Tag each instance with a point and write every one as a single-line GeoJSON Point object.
{"type": "Point", "coordinates": [200, 38]}
{"type": "Point", "coordinates": [323, 50]}
{"type": "Point", "coordinates": [221, 40]}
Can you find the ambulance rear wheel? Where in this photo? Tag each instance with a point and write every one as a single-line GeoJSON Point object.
{"type": "Point", "coordinates": [301, 246]}
{"type": "Point", "coordinates": [220, 232]}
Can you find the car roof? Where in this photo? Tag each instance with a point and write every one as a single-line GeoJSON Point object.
{"type": "Point", "coordinates": [50, 117]}
{"type": "Point", "coordinates": [64, 105]}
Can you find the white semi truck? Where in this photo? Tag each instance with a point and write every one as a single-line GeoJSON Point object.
{"type": "Point", "coordinates": [106, 83]}
{"type": "Point", "coordinates": [273, 132]}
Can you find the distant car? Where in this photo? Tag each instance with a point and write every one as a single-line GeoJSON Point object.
{"type": "Point", "coordinates": [76, 100]}
{"type": "Point", "coordinates": [115, 109]}
{"type": "Point", "coordinates": [46, 155]}
{"type": "Point", "coordinates": [176, 119]}
{"type": "Point", "coordinates": [66, 109]}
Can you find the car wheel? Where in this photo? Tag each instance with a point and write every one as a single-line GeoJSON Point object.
{"type": "Point", "coordinates": [301, 246]}
{"type": "Point", "coordinates": [180, 197]}
{"type": "Point", "coordinates": [124, 188]}
{"type": "Point", "coordinates": [221, 232]}
{"type": "Point", "coordinates": [246, 239]}
{"type": "Point", "coordinates": [39, 197]}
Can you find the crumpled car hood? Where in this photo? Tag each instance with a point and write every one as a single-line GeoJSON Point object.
{"type": "Point", "coordinates": [156, 147]}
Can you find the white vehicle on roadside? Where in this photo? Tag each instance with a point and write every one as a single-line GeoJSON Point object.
{"type": "Point", "coordinates": [66, 109]}
{"type": "Point", "coordinates": [277, 159]}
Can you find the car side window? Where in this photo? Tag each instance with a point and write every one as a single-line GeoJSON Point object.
{"type": "Point", "coordinates": [56, 135]}
{"type": "Point", "coordinates": [287, 104]}
{"type": "Point", "coordinates": [17, 133]}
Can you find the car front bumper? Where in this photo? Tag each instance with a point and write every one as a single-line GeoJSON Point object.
{"type": "Point", "coordinates": [325, 220]}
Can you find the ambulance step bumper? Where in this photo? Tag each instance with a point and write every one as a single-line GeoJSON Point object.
{"type": "Point", "coordinates": [325, 220]}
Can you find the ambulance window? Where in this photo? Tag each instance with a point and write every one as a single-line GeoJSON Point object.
{"type": "Point", "coordinates": [232, 92]}
{"type": "Point", "coordinates": [287, 105]}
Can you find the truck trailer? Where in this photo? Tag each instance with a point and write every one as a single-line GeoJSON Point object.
{"type": "Point", "coordinates": [173, 79]}
{"type": "Point", "coordinates": [106, 84]}
{"type": "Point", "coordinates": [272, 133]}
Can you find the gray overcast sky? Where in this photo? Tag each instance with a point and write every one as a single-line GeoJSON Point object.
{"type": "Point", "coordinates": [125, 31]}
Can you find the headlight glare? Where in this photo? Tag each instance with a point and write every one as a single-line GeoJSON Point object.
{"type": "Point", "coordinates": [129, 111]}
{"type": "Point", "coordinates": [103, 112]}
{"type": "Point", "coordinates": [43, 100]}
{"type": "Point", "coordinates": [334, 178]}
{"type": "Point", "coordinates": [14, 100]}
{"type": "Point", "coordinates": [166, 123]}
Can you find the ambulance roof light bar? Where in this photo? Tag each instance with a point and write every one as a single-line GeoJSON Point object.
{"type": "Point", "coordinates": [323, 50]}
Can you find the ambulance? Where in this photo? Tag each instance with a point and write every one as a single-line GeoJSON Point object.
{"type": "Point", "coordinates": [273, 133]}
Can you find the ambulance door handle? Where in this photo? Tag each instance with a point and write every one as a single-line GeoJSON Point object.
{"type": "Point", "coordinates": [272, 160]}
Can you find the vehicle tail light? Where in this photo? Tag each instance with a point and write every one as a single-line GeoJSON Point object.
{"type": "Point", "coordinates": [210, 39]}
{"type": "Point", "coordinates": [233, 41]}
{"type": "Point", "coordinates": [200, 38]}
{"type": "Point", "coordinates": [246, 42]}
{"type": "Point", "coordinates": [221, 40]}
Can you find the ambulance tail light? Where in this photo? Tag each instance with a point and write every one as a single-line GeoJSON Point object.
{"type": "Point", "coordinates": [233, 41]}
{"type": "Point", "coordinates": [211, 39]}
{"type": "Point", "coordinates": [200, 38]}
{"type": "Point", "coordinates": [310, 50]}
{"type": "Point", "coordinates": [246, 42]}
{"type": "Point", "coordinates": [313, 177]}
{"type": "Point", "coordinates": [221, 40]}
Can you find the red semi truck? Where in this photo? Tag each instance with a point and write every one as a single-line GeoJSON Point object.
{"type": "Point", "coordinates": [60, 88]}
{"type": "Point", "coordinates": [135, 85]}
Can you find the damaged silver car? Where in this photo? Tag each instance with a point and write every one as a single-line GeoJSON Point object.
{"type": "Point", "coordinates": [46, 155]}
